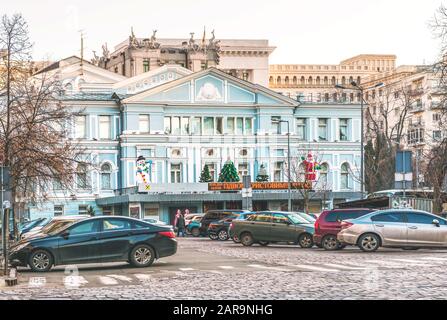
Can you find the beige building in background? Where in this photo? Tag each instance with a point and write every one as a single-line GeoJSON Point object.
{"type": "Point", "coordinates": [316, 82]}
{"type": "Point", "coordinates": [245, 59]}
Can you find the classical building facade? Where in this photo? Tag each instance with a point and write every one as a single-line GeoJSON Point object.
{"type": "Point", "coordinates": [245, 59]}
{"type": "Point", "coordinates": [182, 120]}
{"type": "Point", "coordinates": [316, 82]}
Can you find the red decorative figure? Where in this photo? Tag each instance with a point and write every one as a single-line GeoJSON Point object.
{"type": "Point", "coordinates": [311, 167]}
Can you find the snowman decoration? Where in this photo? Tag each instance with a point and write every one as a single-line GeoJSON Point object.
{"type": "Point", "coordinates": [144, 169]}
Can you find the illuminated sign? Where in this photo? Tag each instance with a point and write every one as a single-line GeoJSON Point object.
{"type": "Point", "coordinates": [234, 186]}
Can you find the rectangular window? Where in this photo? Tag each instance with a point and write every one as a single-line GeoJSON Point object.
{"type": "Point", "coordinates": [343, 129]}
{"type": "Point", "coordinates": [276, 125]}
{"type": "Point", "coordinates": [167, 125]}
{"type": "Point", "coordinates": [230, 125]}
{"type": "Point", "coordinates": [248, 126]}
{"type": "Point", "coordinates": [146, 65]}
{"type": "Point", "coordinates": [301, 129]}
{"type": "Point", "coordinates": [239, 126]}
{"type": "Point", "coordinates": [176, 173]}
{"type": "Point", "coordinates": [212, 168]}
{"type": "Point", "coordinates": [104, 127]}
{"type": "Point", "coordinates": [196, 126]}
{"type": "Point", "coordinates": [436, 117]}
{"type": "Point", "coordinates": [437, 135]}
{"type": "Point", "coordinates": [185, 125]}
{"type": "Point", "coordinates": [144, 123]}
{"type": "Point", "coordinates": [278, 171]}
{"type": "Point", "coordinates": [175, 123]}
{"type": "Point", "coordinates": [219, 125]}
{"type": "Point", "coordinates": [242, 169]}
{"type": "Point", "coordinates": [107, 211]}
{"type": "Point", "coordinates": [147, 153]}
{"type": "Point", "coordinates": [82, 209]}
{"type": "Point", "coordinates": [80, 127]}
{"type": "Point", "coordinates": [58, 211]}
{"type": "Point", "coordinates": [322, 129]}
{"type": "Point", "coordinates": [208, 125]}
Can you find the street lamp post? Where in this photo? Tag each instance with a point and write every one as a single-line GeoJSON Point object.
{"type": "Point", "coordinates": [289, 185]}
{"type": "Point", "coordinates": [356, 87]}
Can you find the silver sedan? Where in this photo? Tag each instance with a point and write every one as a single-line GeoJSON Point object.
{"type": "Point", "coordinates": [398, 228]}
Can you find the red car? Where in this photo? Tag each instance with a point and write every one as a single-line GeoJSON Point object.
{"type": "Point", "coordinates": [328, 225]}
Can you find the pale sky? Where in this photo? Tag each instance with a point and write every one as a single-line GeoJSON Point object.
{"type": "Point", "coordinates": [316, 31]}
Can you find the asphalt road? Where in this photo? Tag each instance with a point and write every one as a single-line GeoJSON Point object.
{"type": "Point", "coordinates": [205, 269]}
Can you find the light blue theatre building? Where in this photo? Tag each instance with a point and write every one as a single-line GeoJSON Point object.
{"type": "Point", "coordinates": [181, 121]}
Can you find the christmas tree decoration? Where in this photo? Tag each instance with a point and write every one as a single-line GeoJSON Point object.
{"type": "Point", "coordinates": [262, 175]}
{"type": "Point", "coordinates": [205, 176]}
{"type": "Point", "coordinates": [229, 173]}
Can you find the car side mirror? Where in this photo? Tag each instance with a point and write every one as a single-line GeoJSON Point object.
{"type": "Point", "coordinates": [436, 222]}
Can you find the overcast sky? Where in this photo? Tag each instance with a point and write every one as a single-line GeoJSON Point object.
{"type": "Point", "coordinates": [316, 31]}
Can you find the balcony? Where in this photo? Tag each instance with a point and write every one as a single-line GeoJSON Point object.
{"type": "Point", "coordinates": [436, 105]}
{"type": "Point", "coordinates": [417, 107]}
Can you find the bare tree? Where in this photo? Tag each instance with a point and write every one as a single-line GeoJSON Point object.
{"type": "Point", "coordinates": [386, 121]}
{"type": "Point", "coordinates": [35, 124]}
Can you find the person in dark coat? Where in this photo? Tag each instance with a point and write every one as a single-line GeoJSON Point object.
{"type": "Point", "coordinates": [180, 226]}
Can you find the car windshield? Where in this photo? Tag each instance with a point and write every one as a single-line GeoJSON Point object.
{"type": "Point", "coordinates": [306, 216]}
{"type": "Point", "coordinates": [297, 219]}
{"type": "Point", "coordinates": [56, 226]}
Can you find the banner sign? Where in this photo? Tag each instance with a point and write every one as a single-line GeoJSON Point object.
{"type": "Point", "coordinates": [235, 186]}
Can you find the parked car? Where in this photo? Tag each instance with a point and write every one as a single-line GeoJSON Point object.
{"type": "Point", "coordinates": [25, 227]}
{"type": "Point", "coordinates": [216, 215]}
{"type": "Point", "coordinates": [96, 240]}
{"type": "Point", "coordinates": [308, 216]}
{"type": "Point", "coordinates": [193, 227]}
{"type": "Point", "coordinates": [398, 228]}
{"type": "Point", "coordinates": [189, 217]}
{"type": "Point", "coordinates": [242, 216]}
{"type": "Point", "coordinates": [328, 225]}
{"type": "Point", "coordinates": [53, 224]}
{"type": "Point", "coordinates": [272, 227]}
{"type": "Point", "coordinates": [219, 230]}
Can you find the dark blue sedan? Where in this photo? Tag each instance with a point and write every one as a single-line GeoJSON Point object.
{"type": "Point", "coordinates": [97, 240]}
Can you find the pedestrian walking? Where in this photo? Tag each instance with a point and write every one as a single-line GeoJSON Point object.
{"type": "Point", "coordinates": [180, 226]}
{"type": "Point", "coordinates": [177, 215]}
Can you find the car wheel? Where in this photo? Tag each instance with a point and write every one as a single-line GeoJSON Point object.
{"type": "Point", "coordinates": [222, 235]}
{"type": "Point", "coordinates": [263, 243]}
{"type": "Point", "coordinates": [305, 241]}
{"type": "Point", "coordinates": [40, 261]}
{"type": "Point", "coordinates": [236, 239]}
{"type": "Point", "coordinates": [142, 256]}
{"type": "Point", "coordinates": [369, 242]}
{"type": "Point", "coordinates": [213, 236]}
{"type": "Point", "coordinates": [247, 239]}
{"type": "Point", "coordinates": [195, 232]}
{"type": "Point", "coordinates": [330, 242]}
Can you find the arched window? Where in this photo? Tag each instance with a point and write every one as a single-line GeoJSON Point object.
{"type": "Point", "coordinates": [286, 80]}
{"type": "Point", "coordinates": [278, 80]}
{"type": "Point", "coordinates": [310, 81]}
{"type": "Point", "coordinates": [303, 80]}
{"type": "Point", "coordinates": [81, 176]}
{"type": "Point", "coordinates": [295, 80]}
{"type": "Point", "coordinates": [333, 81]}
{"type": "Point", "coordinates": [351, 80]}
{"type": "Point", "coordinates": [343, 80]}
{"type": "Point", "coordinates": [324, 169]}
{"type": "Point", "coordinates": [326, 81]}
{"type": "Point", "coordinates": [318, 81]}
{"type": "Point", "coordinates": [344, 176]}
{"type": "Point", "coordinates": [358, 80]}
{"type": "Point", "coordinates": [301, 172]}
{"type": "Point", "coordinates": [106, 173]}
{"type": "Point", "coordinates": [271, 80]}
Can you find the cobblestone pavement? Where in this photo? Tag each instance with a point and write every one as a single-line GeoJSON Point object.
{"type": "Point", "coordinates": [205, 269]}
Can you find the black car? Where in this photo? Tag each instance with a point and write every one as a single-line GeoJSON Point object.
{"type": "Point", "coordinates": [219, 230]}
{"type": "Point", "coordinates": [216, 215]}
{"type": "Point", "coordinates": [97, 240]}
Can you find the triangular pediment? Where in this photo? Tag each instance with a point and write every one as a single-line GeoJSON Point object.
{"type": "Point", "coordinates": [211, 86]}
